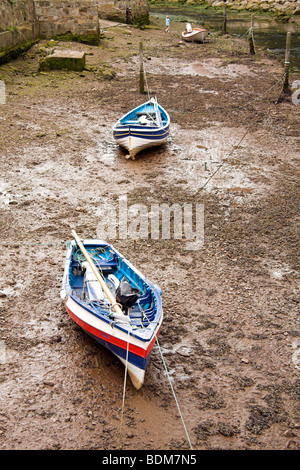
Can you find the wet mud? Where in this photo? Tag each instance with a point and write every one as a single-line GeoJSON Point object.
{"type": "Point", "coordinates": [231, 336]}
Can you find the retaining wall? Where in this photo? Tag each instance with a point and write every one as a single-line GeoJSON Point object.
{"type": "Point", "coordinates": [78, 18]}
{"type": "Point", "coordinates": [279, 7]}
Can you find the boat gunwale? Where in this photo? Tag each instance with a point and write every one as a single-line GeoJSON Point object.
{"type": "Point", "coordinates": [138, 332]}
{"type": "Point", "coordinates": [119, 124]}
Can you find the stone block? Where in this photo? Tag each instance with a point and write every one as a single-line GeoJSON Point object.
{"type": "Point", "coordinates": [64, 59]}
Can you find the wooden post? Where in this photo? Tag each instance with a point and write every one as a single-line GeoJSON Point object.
{"type": "Point", "coordinates": [224, 29]}
{"type": "Point", "coordinates": [251, 38]}
{"type": "Point", "coordinates": [142, 86]}
{"type": "Point", "coordinates": [286, 91]}
{"type": "Point", "coordinates": [286, 87]}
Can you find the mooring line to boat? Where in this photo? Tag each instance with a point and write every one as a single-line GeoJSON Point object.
{"type": "Point", "coordinates": [173, 391]}
{"type": "Point", "coordinates": [234, 147]}
{"type": "Point", "coordinates": [124, 390]}
{"type": "Point", "coordinates": [245, 34]}
{"type": "Point", "coordinates": [145, 75]}
{"type": "Point", "coordinates": [172, 388]}
{"type": "Point", "coordinates": [224, 160]}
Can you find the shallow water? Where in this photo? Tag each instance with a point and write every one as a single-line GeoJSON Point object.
{"type": "Point", "coordinates": [268, 32]}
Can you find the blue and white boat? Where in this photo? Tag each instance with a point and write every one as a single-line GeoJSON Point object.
{"type": "Point", "coordinates": [129, 331]}
{"type": "Point", "coordinates": [146, 126]}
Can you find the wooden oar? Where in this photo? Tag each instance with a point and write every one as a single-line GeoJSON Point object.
{"type": "Point", "coordinates": [103, 284]}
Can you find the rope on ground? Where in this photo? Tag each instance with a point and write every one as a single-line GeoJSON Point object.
{"type": "Point", "coordinates": [124, 390]}
{"type": "Point", "coordinates": [240, 141]}
{"type": "Point", "coordinates": [174, 394]}
{"type": "Point", "coordinates": [246, 33]}
{"type": "Point", "coordinates": [225, 159]}
{"type": "Point", "coordinates": [234, 147]}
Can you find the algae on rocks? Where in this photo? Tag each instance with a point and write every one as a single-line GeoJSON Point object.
{"type": "Point", "coordinates": [63, 60]}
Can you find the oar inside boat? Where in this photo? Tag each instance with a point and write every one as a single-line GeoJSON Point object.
{"type": "Point", "coordinates": [118, 311]}
{"type": "Point", "coordinates": [112, 302]}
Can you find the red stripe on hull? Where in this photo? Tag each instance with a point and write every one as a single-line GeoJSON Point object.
{"type": "Point", "coordinates": [111, 339]}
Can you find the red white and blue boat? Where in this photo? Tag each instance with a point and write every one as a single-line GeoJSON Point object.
{"type": "Point", "coordinates": [146, 126]}
{"type": "Point", "coordinates": [112, 302]}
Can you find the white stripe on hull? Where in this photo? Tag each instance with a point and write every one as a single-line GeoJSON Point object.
{"type": "Point", "coordinates": [195, 36]}
{"type": "Point", "coordinates": [137, 144]}
{"type": "Point", "coordinates": [136, 374]}
{"type": "Point", "coordinates": [102, 326]}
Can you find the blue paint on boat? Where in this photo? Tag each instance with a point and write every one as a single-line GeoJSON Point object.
{"type": "Point", "coordinates": [144, 126]}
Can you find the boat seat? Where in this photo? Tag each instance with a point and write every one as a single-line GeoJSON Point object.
{"type": "Point", "coordinates": [189, 28]}
{"type": "Point", "coordinates": [144, 120]}
{"type": "Point", "coordinates": [149, 110]}
{"type": "Point", "coordinates": [94, 289]}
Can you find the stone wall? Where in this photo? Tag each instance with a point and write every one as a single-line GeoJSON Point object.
{"type": "Point", "coordinates": [14, 13]}
{"type": "Point", "coordinates": [24, 21]}
{"type": "Point", "coordinates": [120, 10]}
{"type": "Point", "coordinates": [18, 27]}
{"type": "Point", "coordinates": [279, 7]}
{"type": "Point", "coordinates": [78, 18]}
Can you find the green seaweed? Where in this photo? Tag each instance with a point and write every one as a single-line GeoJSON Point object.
{"type": "Point", "coordinates": [13, 52]}
{"type": "Point", "coordinates": [92, 38]}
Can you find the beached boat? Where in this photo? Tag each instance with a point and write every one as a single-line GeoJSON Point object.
{"type": "Point", "coordinates": [142, 127]}
{"type": "Point", "coordinates": [112, 302]}
{"type": "Point", "coordinates": [194, 34]}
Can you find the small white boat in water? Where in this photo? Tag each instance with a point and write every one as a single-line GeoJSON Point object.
{"type": "Point", "coordinates": [194, 34]}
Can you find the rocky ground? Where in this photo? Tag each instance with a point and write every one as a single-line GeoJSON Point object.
{"type": "Point", "coordinates": [231, 335]}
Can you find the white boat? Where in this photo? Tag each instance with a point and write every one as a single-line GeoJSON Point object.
{"type": "Point", "coordinates": [194, 34]}
{"type": "Point", "coordinates": [142, 127]}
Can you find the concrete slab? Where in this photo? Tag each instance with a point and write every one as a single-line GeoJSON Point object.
{"type": "Point", "coordinates": [106, 24]}
{"type": "Point", "coordinates": [64, 59]}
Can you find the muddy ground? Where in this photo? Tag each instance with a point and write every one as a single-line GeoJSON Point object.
{"type": "Point", "coordinates": [231, 334]}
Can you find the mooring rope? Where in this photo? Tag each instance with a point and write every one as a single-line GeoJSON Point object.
{"type": "Point", "coordinates": [145, 75]}
{"type": "Point", "coordinates": [174, 394]}
{"type": "Point", "coordinates": [124, 391]}
{"type": "Point", "coordinates": [172, 388]}
{"type": "Point", "coordinates": [245, 34]}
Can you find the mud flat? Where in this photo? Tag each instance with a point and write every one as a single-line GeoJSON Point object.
{"type": "Point", "coordinates": [231, 335]}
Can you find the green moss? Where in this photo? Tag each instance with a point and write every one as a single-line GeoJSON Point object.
{"type": "Point", "coordinates": [88, 38]}
{"type": "Point", "coordinates": [141, 20]}
{"type": "Point", "coordinates": [62, 63]}
{"type": "Point", "coordinates": [51, 43]}
{"type": "Point", "coordinates": [12, 28]}
{"type": "Point", "coordinates": [202, 6]}
{"type": "Point", "coordinates": [13, 52]}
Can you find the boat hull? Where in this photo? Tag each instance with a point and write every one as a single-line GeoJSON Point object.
{"type": "Point", "coordinates": [137, 130]}
{"type": "Point", "coordinates": [135, 140]}
{"type": "Point", "coordinates": [197, 35]}
{"type": "Point", "coordinates": [131, 346]}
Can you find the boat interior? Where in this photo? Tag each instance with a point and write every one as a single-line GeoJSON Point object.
{"type": "Point", "coordinates": [145, 116]}
{"type": "Point", "coordinates": [114, 270]}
